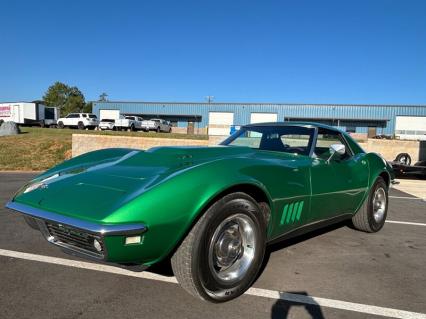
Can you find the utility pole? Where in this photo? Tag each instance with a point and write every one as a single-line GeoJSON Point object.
{"type": "Point", "coordinates": [209, 98]}
{"type": "Point", "coordinates": [103, 97]}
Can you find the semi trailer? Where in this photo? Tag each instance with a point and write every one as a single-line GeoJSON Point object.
{"type": "Point", "coordinates": [29, 113]}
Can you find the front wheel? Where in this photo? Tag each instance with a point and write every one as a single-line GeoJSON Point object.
{"type": "Point", "coordinates": [221, 256]}
{"type": "Point", "coordinates": [372, 215]}
{"type": "Point", "coordinates": [80, 126]}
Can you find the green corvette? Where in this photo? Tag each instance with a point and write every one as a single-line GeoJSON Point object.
{"type": "Point", "coordinates": [212, 210]}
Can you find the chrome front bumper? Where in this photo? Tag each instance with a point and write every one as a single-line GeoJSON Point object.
{"type": "Point", "coordinates": [75, 236]}
{"type": "Point", "coordinates": [99, 229]}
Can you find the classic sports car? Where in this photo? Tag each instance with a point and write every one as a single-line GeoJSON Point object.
{"type": "Point", "coordinates": [212, 210]}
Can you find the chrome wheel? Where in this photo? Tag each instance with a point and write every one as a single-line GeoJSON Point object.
{"type": "Point", "coordinates": [379, 204]}
{"type": "Point", "coordinates": [232, 248]}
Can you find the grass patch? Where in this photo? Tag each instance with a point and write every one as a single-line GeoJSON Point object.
{"type": "Point", "coordinates": [38, 149]}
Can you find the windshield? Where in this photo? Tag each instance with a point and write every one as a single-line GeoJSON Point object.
{"type": "Point", "coordinates": [288, 139]}
{"type": "Point", "coordinates": [92, 116]}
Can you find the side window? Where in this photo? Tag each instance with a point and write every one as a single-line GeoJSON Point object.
{"type": "Point", "coordinates": [325, 139]}
{"type": "Point", "coordinates": [249, 139]}
{"type": "Point", "coordinates": [295, 140]}
{"type": "Point", "coordinates": [84, 115]}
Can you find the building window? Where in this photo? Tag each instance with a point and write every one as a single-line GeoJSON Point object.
{"type": "Point", "coordinates": [350, 129]}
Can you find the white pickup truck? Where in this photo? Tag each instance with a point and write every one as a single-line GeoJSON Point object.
{"type": "Point", "coordinates": [157, 125]}
{"type": "Point", "coordinates": [128, 122]}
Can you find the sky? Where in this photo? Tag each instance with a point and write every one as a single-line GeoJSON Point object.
{"type": "Point", "coordinates": [361, 52]}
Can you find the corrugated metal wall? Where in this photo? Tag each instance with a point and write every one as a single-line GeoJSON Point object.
{"type": "Point", "coordinates": [358, 114]}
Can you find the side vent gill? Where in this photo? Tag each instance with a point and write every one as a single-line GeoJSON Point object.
{"type": "Point", "coordinates": [292, 213]}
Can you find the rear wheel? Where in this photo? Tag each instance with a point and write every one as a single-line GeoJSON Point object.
{"type": "Point", "coordinates": [61, 125]}
{"type": "Point", "coordinates": [403, 158]}
{"type": "Point", "coordinates": [372, 215]}
{"type": "Point", "coordinates": [222, 254]}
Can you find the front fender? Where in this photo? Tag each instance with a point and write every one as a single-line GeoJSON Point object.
{"type": "Point", "coordinates": [169, 209]}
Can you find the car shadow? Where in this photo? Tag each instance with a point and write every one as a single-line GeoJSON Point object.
{"type": "Point", "coordinates": [298, 239]}
{"type": "Point", "coordinates": [164, 267]}
{"type": "Point", "coordinates": [281, 308]}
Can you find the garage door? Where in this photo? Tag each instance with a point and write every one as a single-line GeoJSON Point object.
{"type": "Point", "coordinates": [263, 117]}
{"type": "Point", "coordinates": [109, 114]}
{"type": "Point", "coordinates": [220, 123]}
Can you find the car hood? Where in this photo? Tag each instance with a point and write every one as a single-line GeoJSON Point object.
{"type": "Point", "coordinates": [95, 191]}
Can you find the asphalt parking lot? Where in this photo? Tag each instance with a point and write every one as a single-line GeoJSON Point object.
{"type": "Point", "coordinates": [334, 273]}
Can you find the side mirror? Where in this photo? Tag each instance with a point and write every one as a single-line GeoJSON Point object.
{"type": "Point", "coordinates": [336, 149]}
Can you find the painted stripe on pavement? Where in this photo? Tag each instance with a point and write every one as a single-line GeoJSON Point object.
{"type": "Point", "coordinates": [404, 223]}
{"type": "Point", "coordinates": [405, 197]}
{"type": "Point", "coordinates": [258, 292]}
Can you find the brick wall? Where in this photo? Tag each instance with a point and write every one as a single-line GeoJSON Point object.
{"type": "Point", "coordinates": [389, 149]}
{"type": "Point", "coordinates": [83, 143]}
{"type": "Point", "coordinates": [184, 130]}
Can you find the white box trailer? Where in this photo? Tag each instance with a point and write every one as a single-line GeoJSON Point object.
{"type": "Point", "coordinates": [109, 114]}
{"type": "Point", "coordinates": [25, 113]}
{"type": "Point", "coordinates": [410, 128]}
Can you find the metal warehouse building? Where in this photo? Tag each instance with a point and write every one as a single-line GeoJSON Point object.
{"type": "Point", "coordinates": [220, 118]}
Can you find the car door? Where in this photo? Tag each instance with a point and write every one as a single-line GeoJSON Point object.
{"type": "Point", "coordinates": [70, 119]}
{"type": "Point", "coordinates": [138, 123]}
{"type": "Point", "coordinates": [338, 185]}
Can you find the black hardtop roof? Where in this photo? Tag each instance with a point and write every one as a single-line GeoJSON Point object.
{"type": "Point", "coordinates": [302, 124]}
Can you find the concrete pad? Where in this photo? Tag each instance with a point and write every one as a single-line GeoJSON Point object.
{"type": "Point", "coordinates": [413, 187]}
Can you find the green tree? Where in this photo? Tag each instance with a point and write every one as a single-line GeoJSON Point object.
{"type": "Point", "coordinates": [67, 99]}
{"type": "Point", "coordinates": [88, 107]}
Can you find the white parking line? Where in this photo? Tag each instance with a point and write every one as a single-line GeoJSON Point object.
{"type": "Point", "coordinates": [405, 197]}
{"type": "Point", "coordinates": [404, 223]}
{"type": "Point", "coordinates": [258, 292]}
{"type": "Point", "coordinates": [336, 304]}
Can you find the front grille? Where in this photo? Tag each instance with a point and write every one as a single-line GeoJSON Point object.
{"type": "Point", "coordinates": [74, 239]}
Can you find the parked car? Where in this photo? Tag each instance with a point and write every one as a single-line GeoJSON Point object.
{"type": "Point", "coordinates": [212, 210]}
{"type": "Point", "coordinates": [131, 123]}
{"type": "Point", "coordinates": [402, 167]}
{"type": "Point", "coordinates": [157, 125]}
{"type": "Point", "coordinates": [79, 120]}
{"type": "Point", "coordinates": [107, 124]}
